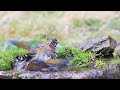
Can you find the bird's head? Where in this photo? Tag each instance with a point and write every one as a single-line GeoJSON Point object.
{"type": "Point", "coordinates": [53, 43]}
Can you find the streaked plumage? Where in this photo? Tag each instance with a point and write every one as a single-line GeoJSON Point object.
{"type": "Point", "coordinates": [43, 53]}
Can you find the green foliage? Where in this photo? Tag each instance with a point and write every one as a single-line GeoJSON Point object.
{"type": "Point", "coordinates": [95, 23]}
{"type": "Point", "coordinates": [100, 63]}
{"type": "Point", "coordinates": [67, 26]}
{"type": "Point", "coordinates": [77, 23]}
{"type": "Point", "coordinates": [77, 58]}
{"type": "Point", "coordinates": [116, 61]}
{"type": "Point", "coordinates": [115, 24]}
{"type": "Point", "coordinates": [82, 59]}
{"type": "Point", "coordinates": [8, 56]}
{"type": "Point", "coordinates": [116, 54]}
{"type": "Point", "coordinates": [64, 50]}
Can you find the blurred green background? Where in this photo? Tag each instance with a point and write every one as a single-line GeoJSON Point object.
{"type": "Point", "coordinates": [70, 27]}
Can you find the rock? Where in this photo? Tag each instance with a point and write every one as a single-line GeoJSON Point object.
{"type": "Point", "coordinates": [117, 51]}
{"type": "Point", "coordinates": [103, 44]}
{"type": "Point", "coordinates": [4, 75]}
{"type": "Point", "coordinates": [111, 72]}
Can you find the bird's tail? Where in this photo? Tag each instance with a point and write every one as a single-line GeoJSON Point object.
{"type": "Point", "coordinates": [20, 44]}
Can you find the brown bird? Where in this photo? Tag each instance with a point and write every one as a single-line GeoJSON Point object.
{"type": "Point", "coordinates": [42, 53]}
{"type": "Point", "coordinates": [47, 51]}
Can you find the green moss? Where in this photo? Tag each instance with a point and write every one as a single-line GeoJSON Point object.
{"type": "Point", "coordinates": [115, 54]}
{"type": "Point", "coordinates": [76, 57]}
{"type": "Point", "coordinates": [64, 50]}
{"type": "Point", "coordinates": [116, 61]}
{"type": "Point", "coordinates": [100, 63]}
{"type": "Point", "coordinates": [8, 56]}
{"type": "Point", "coordinates": [82, 59]}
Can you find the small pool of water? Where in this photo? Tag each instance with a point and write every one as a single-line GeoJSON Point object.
{"type": "Point", "coordinates": [76, 69]}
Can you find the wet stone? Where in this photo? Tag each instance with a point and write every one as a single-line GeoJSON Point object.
{"type": "Point", "coordinates": [103, 45]}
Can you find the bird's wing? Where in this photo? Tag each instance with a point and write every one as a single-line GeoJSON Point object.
{"type": "Point", "coordinates": [20, 44]}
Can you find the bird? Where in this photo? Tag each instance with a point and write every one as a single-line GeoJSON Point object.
{"type": "Point", "coordinates": [42, 53]}
{"type": "Point", "coordinates": [39, 57]}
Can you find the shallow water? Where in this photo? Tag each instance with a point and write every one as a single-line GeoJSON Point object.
{"type": "Point", "coordinates": [74, 68]}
